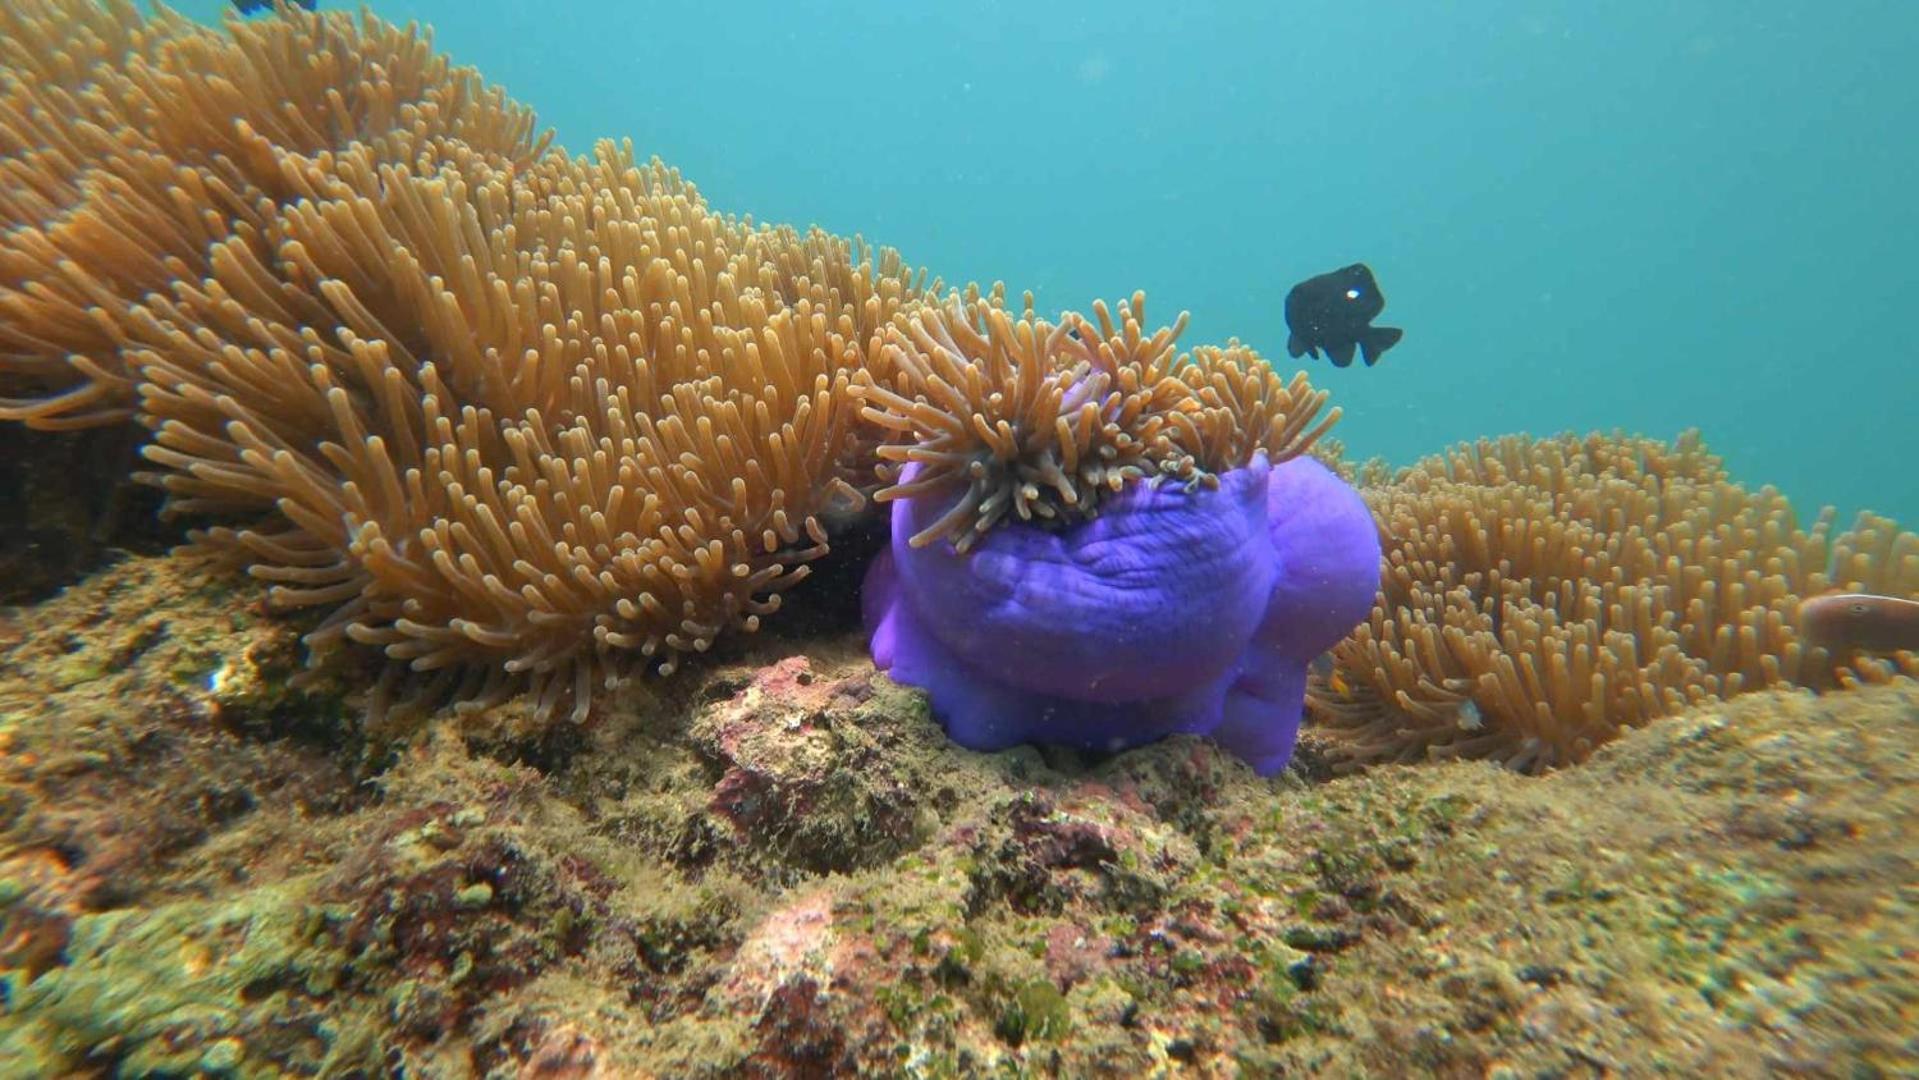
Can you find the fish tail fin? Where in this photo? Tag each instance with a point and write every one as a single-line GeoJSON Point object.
{"type": "Point", "coordinates": [1377, 340]}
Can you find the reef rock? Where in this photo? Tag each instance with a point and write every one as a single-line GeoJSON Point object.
{"type": "Point", "coordinates": [780, 867]}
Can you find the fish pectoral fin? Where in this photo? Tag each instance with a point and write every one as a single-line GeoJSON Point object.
{"type": "Point", "coordinates": [1377, 340]}
{"type": "Point", "coordinates": [1342, 353]}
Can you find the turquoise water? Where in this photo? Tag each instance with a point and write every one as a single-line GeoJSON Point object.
{"type": "Point", "coordinates": [1644, 214]}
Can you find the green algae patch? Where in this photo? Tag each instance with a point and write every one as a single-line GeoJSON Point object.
{"type": "Point", "coordinates": [1037, 1010]}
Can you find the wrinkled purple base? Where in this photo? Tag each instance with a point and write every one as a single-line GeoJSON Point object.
{"type": "Point", "coordinates": [1172, 612]}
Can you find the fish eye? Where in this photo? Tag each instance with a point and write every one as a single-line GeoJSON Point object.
{"type": "Point", "coordinates": [1352, 294]}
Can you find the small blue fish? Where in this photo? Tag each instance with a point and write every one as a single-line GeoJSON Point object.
{"type": "Point", "coordinates": [248, 7]}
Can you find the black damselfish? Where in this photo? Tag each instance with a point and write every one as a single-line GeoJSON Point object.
{"type": "Point", "coordinates": [1331, 312]}
{"type": "Point", "coordinates": [248, 7]}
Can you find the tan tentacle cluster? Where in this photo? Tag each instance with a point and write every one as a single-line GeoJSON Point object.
{"type": "Point", "coordinates": [1541, 596]}
{"type": "Point", "coordinates": [514, 419]}
{"type": "Point", "coordinates": [131, 149]}
{"type": "Point", "coordinates": [1025, 419]}
{"type": "Point", "coordinates": [555, 420]}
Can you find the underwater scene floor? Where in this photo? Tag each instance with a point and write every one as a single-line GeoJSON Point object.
{"type": "Point", "coordinates": [780, 867]}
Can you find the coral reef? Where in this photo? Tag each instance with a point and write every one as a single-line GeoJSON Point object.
{"type": "Point", "coordinates": [786, 870]}
{"type": "Point", "coordinates": [1541, 596]}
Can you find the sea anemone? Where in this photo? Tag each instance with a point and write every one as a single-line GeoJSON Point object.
{"type": "Point", "coordinates": [516, 420]}
{"type": "Point", "coordinates": [554, 421]}
{"type": "Point", "coordinates": [1539, 597]}
{"type": "Point", "coordinates": [132, 149]}
{"type": "Point", "coordinates": [1098, 543]}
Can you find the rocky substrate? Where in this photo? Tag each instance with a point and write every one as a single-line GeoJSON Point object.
{"type": "Point", "coordinates": [777, 866]}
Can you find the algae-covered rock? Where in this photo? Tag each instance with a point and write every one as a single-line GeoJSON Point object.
{"type": "Point", "coordinates": [144, 713]}
{"type": "Point", "coordinates": [228, 987]}
{"type": "Point", "coordinates": [780, 867]}
{"type": "Point", "coordinates": [822, 773]}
